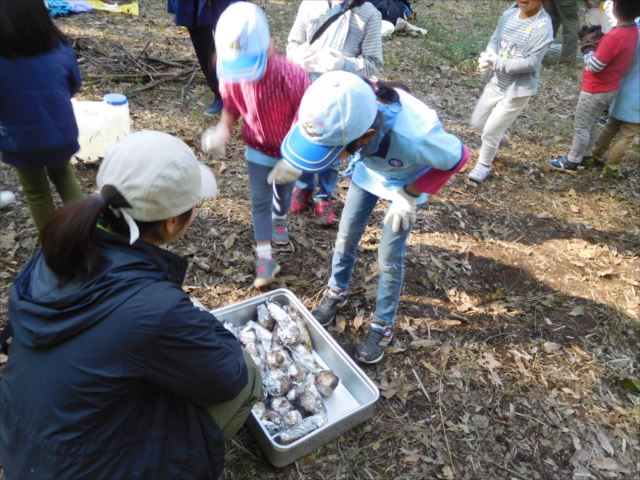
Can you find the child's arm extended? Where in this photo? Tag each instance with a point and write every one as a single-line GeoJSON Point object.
{"type": "Point", "coordinates": [515, 66]}
{"type": "Point", "coordinates": [607, 49]}
{"type": "Point", "coordinates": [214, 139]}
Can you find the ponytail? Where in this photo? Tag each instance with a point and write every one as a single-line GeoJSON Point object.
{"type": "Point", "coordinates": [68, 239]}
{"type": "Point", "coordinates": [386, 91]}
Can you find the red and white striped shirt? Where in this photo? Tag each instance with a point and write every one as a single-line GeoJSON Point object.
{"type": "Point", "coordinates": [269, 106]}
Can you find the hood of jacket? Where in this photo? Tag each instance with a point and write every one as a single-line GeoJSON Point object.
{"type": "Point", "coordinates": [44, 313]}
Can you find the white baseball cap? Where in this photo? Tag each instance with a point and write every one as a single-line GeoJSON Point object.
{"type": "Point", "coordinates": [157, 174]}
{"type": "Point", "coordinates": [242, 43]}
{"type": "Point", "coordinates": [338, 108]}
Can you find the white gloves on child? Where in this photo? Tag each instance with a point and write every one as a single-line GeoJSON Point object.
{"type": "Point", "coordinates": [487, 61]}
{"type": "Point", "coordinates": [305, 56]}
{"type": "Point", "coordinates": [402, 211]}
{"type": "Point", "coordinates": [214, 139]}
{"type": "Point", "coordinates": [329, 60]}
{"type": "Point", "coordinates": [283, 173]}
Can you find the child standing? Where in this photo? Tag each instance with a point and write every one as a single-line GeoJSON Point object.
{"type": "Point", "coordinates": [264, 89]}
{"type": "Point", "coordinates": [327, 36]}
{"type": "Point", "coordinates": [514, 58]}
{"type": "Point", "coordinates": [38, 133]}
{"type": "Point", "coordinates": [604, 68]}
{"type": "Point", "coordinates": [404, 153]}
{"type": "Point", "coordinates": [624, 121]}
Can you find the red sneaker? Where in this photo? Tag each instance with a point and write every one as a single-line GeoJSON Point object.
{"type": "Point", "coordinates": [325, 214]}
{"type": "Point", "coordinates": [300, 200]}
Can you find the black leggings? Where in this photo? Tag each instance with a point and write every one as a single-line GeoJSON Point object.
{"type": "Point", "coordinates": [203, 44]}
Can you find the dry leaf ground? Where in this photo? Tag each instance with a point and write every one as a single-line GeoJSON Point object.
{"type": "Point", "coordinates": [519, 315]}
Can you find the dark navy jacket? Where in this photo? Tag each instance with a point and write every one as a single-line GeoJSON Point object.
{"type": "Point", "coordinates": [37, 125]}
{"type": "Point", "coordinates": [110, 378]}
{"type": "Point", "coordinates": [190, 13]}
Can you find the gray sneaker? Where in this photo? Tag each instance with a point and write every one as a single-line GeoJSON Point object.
{"type": "Point", "coordinates": [372, 348]}
{"type": "Point", "coordinates": [280, 231]}
{"type": "Point", "coordinates": [329, 305]}
{"type": "Point", "coordinates": [266, 271]}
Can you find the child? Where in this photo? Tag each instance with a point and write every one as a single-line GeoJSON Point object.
{"type": "Point", "coordinates": [38, 133]}
{"type": "Point", "coordinates": [264, 89]}
{"type": "Point", "coordinates": [624, 119]}
{"type": "Point", "coordinates": [514, 56]}
{"type": "Point", "coordinates": [352, 42]}
{"type": "Point", "coordinates": [604, 68]}
{"type": "Point", "coordinates": [404, 152]}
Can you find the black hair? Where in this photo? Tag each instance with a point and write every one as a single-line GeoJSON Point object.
{"type": "Point", "coordinates": [385, 93]}
{"type": "Point", "coordinates": [26, 29]}
{"type": "Point", "coordinates": [68, 239]}
{"type": "Point", "coordinates": [627, 9]}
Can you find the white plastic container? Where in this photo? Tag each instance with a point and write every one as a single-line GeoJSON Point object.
{"type": "Point", "coordinates": [101, 124]}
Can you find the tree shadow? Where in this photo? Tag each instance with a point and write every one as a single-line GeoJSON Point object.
{"type": "Point", "coordinates": [523, 228]}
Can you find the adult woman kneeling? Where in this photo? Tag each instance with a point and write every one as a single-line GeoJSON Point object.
{"type": "Point", "coordinates": [113, 372]}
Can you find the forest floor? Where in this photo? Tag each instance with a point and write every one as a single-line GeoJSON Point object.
{"type": "Point", "coordinates": [518, 328]}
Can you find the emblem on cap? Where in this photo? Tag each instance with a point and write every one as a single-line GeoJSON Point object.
{"type": "Point", "coordinates": [394, 162]}
{"type": "Point", "coordinates": [312, 127]}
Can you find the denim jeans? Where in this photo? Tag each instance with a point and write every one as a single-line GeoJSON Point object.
{"type": "Point", "coordinates": [391, 252]}
{"type": "Point", "coordinates": [263, 201]}
{"type": "Point", "coordinates": [327, 181]}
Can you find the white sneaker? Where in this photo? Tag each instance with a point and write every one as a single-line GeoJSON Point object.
{"type": "Point", "coordinates": [479, 173]}
{"type": "Point", "coordinates": [6, 198]}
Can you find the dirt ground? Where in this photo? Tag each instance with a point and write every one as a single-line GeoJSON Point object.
{"type": "Point", "coordinates": [518, 328]}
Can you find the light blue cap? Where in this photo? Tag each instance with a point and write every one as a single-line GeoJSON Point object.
{"type": "Point", "coordinates": [242, 43]}
{"type": "Point", "coordinates": [336, 109]}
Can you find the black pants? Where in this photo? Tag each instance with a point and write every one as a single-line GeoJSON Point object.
{"type": "Point", "coordinates": [203, 44]}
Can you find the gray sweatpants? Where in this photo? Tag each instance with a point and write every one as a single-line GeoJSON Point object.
{"type": "Point", "coordinates": [590, 107]}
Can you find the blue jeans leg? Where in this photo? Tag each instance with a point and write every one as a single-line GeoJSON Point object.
{"type": "Point", "coordinates": [353, 221]}
{"type": "Point", "coordinates": [263, 202]}
{"type": "Point", "coordinates": [327, 182]}
{"type": "Point", "coordinates": [306, 181]}
{"type": "Point", "coordinates": [391, 254]}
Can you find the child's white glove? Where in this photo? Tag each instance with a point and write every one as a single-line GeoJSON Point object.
{"type": "Point", "coordinates": [487, 61]}
{"type": "Point", "coordinates": [283, 173]}
{"type": "Point", "coordinates": [214, 139]}
{"type": "Point", "coordinates": [402, 211]}
{"type": "Point", "coordinates": [329, 60]}
{"type": "Point", "coordinates": [305, 56]}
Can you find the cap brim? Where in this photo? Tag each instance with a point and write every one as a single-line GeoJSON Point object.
{"type": "Point", "coordinates": [305, 155]}
{"type": "Point", "coordinates": [248, 68]}
{"type": "Point", "coordinates": [208, 184]}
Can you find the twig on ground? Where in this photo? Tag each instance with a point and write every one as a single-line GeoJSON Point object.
{"type": "Point", "coordinates": [424, 390]}
{"type": "Point", "coordinates": [186, 86]}
{"type": "Point", "coordinates": [507, 469]}
{"type": "Point", "coordinates": [442, 425]}
{"type": "Point", "coordinates": [144, 50]}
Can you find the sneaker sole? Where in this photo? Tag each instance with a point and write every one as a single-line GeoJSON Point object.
{"type": "Point", "coordinates": [263, 282]}
{"type": "Point", "coordinates": [476, 180]}
{"type": "Point", "coordinates": [370, 362]}
{"type": "Point", "coordinates": [375, 360]}
{"type": "Point", "coordinates": [326, 224]}
{"type": "Point", "coordinates": [563, 170]}
{"type": "Point", "coordinates": [281, 242]}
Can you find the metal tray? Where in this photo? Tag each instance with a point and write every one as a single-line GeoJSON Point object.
{"type": "Point", "coordinates": [351, 403]}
